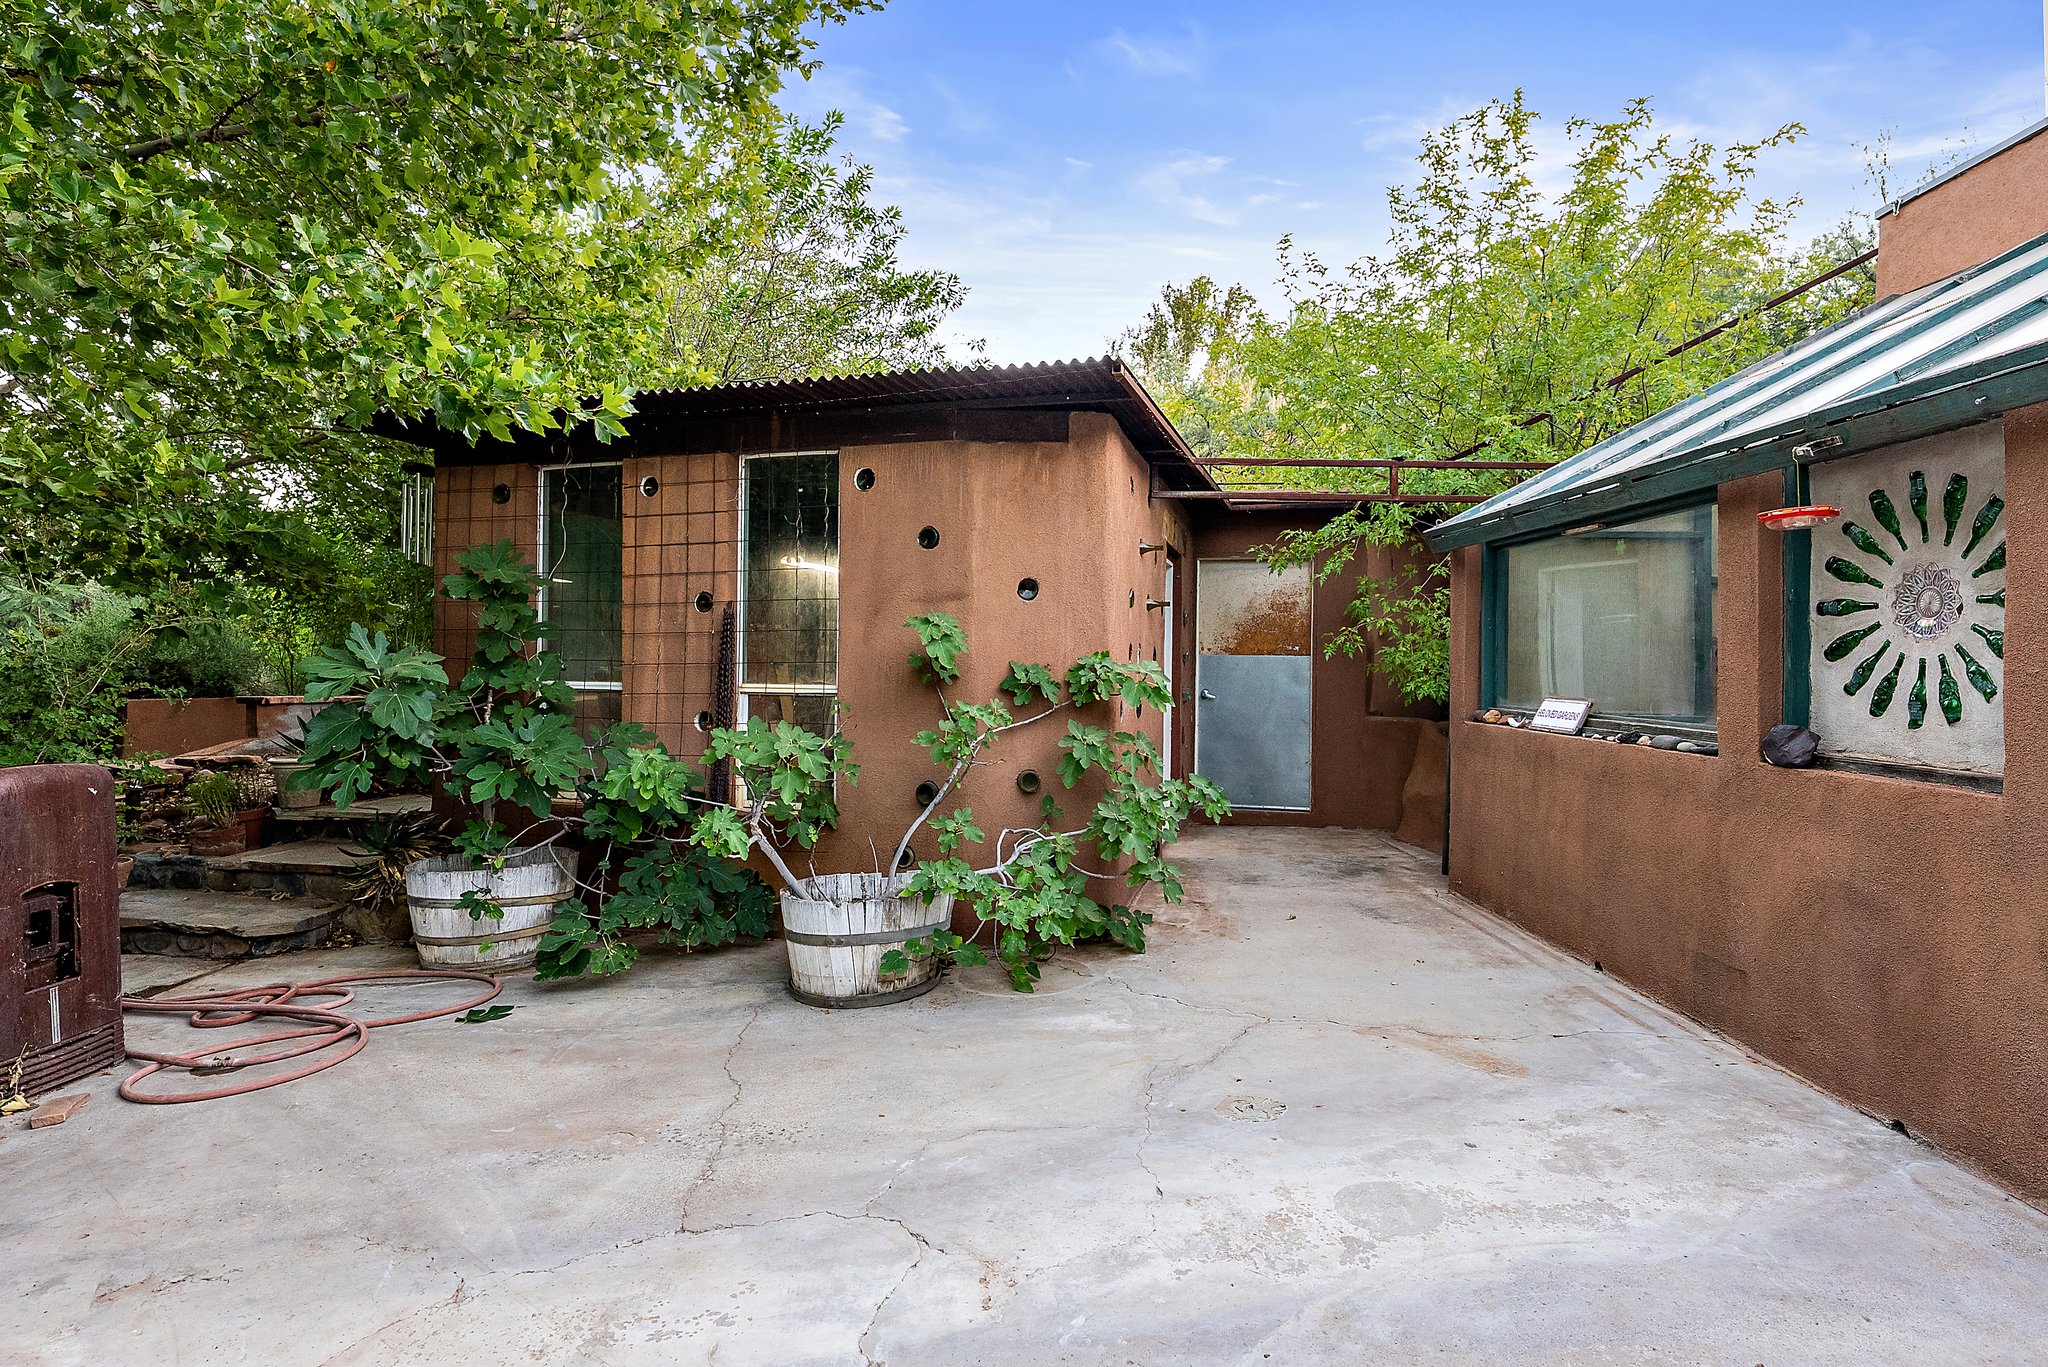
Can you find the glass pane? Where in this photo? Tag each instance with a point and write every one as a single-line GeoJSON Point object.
{"type": "Point", "coordinates": [581, 565]}
{"type": "Point", "coordinates": [1624, 616]}
{"type": "Point", "coordinates": [792, 564]}
{"type": "Point", "coordinates": [812, 711]}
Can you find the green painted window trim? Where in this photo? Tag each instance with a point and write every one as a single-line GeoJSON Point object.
{"type": "Point", "coordinates": [1493, 643]}
{"type": "Point", "coordinates": [1796, 682]}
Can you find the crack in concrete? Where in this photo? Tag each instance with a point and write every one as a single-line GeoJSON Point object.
{"type": "Point", "coordinates": [717, 1150]}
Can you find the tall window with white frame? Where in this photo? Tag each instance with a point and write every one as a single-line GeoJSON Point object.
{"type": "Point", "coordinates": [581, 567]}
{"type": "Point", "coordinates": [789, 596]}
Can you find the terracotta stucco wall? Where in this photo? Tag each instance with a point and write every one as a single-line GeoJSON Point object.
{"type": "Point", "coordinates": [467, 513]}
{"type": "Point", "coordinates": [1365, 735]}
{"type": "Point", "coordinates": [1989, 208]}
{"type": "Point", "coordinates": [1885, 938]}
{"type": "Point", "coordinates": [1069, 515]}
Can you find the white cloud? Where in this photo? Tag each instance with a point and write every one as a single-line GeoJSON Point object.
{"type": "Point", "coordinates": [1154, 56]}
{"type": "Point", "coordinates": [845, 90]}
{"type": "Point", "coordinates": [1173, 183]}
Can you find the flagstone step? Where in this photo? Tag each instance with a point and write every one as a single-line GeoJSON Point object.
{"type": "Point", "coordinates": [203, 924]}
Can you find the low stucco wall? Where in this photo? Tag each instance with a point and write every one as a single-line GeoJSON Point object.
{"type": "Point", "coordinates": [1886, 939]}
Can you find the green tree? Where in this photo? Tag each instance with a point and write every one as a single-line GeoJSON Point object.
{"type": "Point", "coordinates": [804, 276]}
{"type": "Point", "coordinates": [1503, 322]}
{"type": "Point", "coordinates": [233, 230]}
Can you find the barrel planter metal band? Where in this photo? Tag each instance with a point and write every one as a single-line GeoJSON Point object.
{"type": "Point", "coordinates": [900, 994]}
{"type": "Point", "coordinates": [871, 937]}
{"type": "Point", "coordinates": [531, 933]}
{"type": "Point", "coordinates": [455, 903]}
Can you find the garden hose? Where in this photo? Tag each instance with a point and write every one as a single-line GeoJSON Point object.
{"type": "Point", "coordinates": [328, 1030]}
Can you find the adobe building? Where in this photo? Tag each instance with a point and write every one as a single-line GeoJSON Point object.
{"type": "Point", "coordinates": [753, 550]}
{"type": "Point", "coordinates": [1879, 922]}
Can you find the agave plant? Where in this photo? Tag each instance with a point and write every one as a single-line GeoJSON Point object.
{"type": "Point", "coordinates": [391, 846]}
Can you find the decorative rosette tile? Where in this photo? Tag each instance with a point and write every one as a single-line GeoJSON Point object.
{"type": "Point", "coordinates": [1923, 603]}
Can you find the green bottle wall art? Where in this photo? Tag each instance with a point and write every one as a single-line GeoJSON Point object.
{"type": "Point", "coordinates": [1908, 602]}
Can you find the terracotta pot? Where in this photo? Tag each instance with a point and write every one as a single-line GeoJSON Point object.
{"type": "Point", "coordinates": [124, 869]}
{"type": "Point", "coordinates": [218, 840]}
{"type": "Point", "coordinates": [253, 821]}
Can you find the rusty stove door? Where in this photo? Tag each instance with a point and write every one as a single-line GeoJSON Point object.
{"type": "Point", "coordinates": [1253, 655]}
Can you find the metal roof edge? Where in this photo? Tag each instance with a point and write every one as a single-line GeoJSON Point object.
{"type": "Point", "coordinates": [1922, 408]}
{"type": "Point", "coordinates": [1948, 174]}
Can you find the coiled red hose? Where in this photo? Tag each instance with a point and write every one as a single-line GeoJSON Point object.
{"type": "Point", "coordinates": [328, 1028]}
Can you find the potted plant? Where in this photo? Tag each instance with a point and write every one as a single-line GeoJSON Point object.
{"type": "Point", "coordinates": [668, 858]}
{"type": "Point", "coordinates": [866, 938]}
{"type": "Point", "coordinates": [501, 741]}
{"type": "Point", "coordinates": [253, 793]}
{"type": "Point", "coordinates": [213, 803]}
{"type": "Point", "coordinates": [287, 760]}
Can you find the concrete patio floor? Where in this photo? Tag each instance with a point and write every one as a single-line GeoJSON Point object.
{"type": "Point", "coordinates": [1334, 1116]}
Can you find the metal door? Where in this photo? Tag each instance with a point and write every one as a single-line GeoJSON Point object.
{"type": "Point", "coordinates": [1252, 662]}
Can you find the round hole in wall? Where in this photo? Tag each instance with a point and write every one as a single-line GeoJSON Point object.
{"type": "Point", "coordinates": [501, 493]}
{"type": "Point", "coordinates": [649, 487]}
{"type": "Point", "coordinates": [703, 721]}
{"type": "Point", "coordinates": [1027, 589]}
{"type": "Point", "coordinates": [704, 602]}
{"type": "Point", "coordinates": [926, 792]}
{"type": "Point", "coordinates": [1027, 782]}
{"type": "Point", "coordinates": [928, 537]}
{"type": "Point", "coordinates": [863, 479]}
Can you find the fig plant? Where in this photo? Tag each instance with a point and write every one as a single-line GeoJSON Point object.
{"type": "Point", "coordinates": [666, 856]}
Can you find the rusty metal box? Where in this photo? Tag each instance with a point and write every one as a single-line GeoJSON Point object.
{"type": "Point", "coordinates": [60, 925]}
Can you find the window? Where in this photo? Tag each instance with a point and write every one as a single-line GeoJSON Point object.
{"type": "Point", "coordinates": [581, 570]}
{"type": "Point", "coordinates": [1623, 615]}
{"type": "Point", "coordinates": [789, 551]}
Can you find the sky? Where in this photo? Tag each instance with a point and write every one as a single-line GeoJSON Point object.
{"type": "Point", "coordinates": [1067, 159]}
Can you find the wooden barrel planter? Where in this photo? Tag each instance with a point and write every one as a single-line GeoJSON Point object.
{"type": "Point", "coordinates": [530, 886]}
{"type": "Point", "coordinates": [836, 942]}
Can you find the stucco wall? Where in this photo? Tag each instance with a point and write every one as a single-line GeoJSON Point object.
{"type": "Point", "coordinates": [1990, 208]}
{"type": "Point", "coordinates": [467, 513]}
{"type": "Point", "coordinates": [1069, 515]}
{"type": "Point", "coordinates": [1885, 938]}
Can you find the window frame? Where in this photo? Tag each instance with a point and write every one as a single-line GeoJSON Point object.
{"type": "Point", "coordinates": [541, 571]}
{"type": "Point", "coordinates": [1493, 632]}
{"type": "Point", "coordinates": [742, 690]}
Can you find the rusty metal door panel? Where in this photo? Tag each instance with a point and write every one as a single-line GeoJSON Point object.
{"type": "Point", "coordinates": [1253, 700]}
{"type": "Point", "coordinates": [1247, 609]}
{"type": "Point", "coordinates": [60, 927]}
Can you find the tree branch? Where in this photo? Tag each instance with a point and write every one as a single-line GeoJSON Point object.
{"type": "Point", "coordinates": [235, 132]}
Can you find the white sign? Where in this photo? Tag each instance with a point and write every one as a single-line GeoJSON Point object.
{"type": "Point", "coordinates": [1566, 716]}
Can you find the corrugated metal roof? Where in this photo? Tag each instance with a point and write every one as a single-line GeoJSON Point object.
{"type": "Point", "coordinates": [1957, 351]}
{"type": "Point", "coordinates": [1101, 385]}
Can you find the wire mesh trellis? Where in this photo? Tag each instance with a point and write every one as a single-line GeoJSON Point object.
{"type": "Point", "coordinates": [647, 558]}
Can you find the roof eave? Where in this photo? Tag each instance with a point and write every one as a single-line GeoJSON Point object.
{"type": "Point", "coordinates": [1921, 408]}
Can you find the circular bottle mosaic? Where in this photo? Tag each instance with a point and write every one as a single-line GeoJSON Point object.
{"type": "Point", "coordinates": [1915, 599]}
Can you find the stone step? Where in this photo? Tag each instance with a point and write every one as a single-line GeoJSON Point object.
{"type": "Point", "coordinates": [328, 821]}
{"type": "Point", "coordinates": [200, 923]}
{"type": "Point", "coordinates": [299, 868]}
